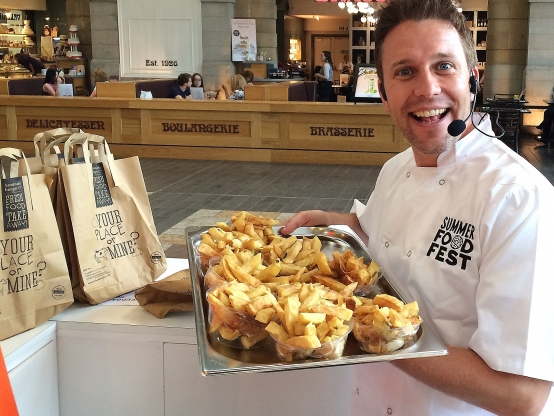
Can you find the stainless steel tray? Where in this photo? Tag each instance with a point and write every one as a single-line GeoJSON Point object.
{"type": "Point", "coordinates": [216, 358]}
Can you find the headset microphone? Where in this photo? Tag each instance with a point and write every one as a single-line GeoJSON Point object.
{"type": "Point", "coordinates": [457, 127]}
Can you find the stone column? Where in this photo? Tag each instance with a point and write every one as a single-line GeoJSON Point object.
{"type": "Point", "coordinates": [539, 77]}
{"type": "Point", "coordinates": [265, 13]}
{"type": "Point", "coordinates": [105, 36]}
{"type": "Point", "coordinates": [507, 37]}
{"type": "Point", "coordinates": [78, 13]}
{"type": "Point", "coordinates": [217, 67]}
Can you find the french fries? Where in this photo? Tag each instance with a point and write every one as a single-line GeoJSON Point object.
{"type": "Point", "coordinates": [385, 323]}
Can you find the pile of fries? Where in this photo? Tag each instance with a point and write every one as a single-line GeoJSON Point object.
{"type": "Point", "coordinates": [263, 283]}
{"type": "Point", "coordinates": [301, 259]}
{"type": "Point", "coordinates": [385, 323]}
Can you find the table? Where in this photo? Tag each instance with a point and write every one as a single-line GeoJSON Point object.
{"type": "Point", "coordinates": [509, 117]}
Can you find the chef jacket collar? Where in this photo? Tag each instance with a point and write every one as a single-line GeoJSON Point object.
{"type": "Point", "coordinates": [474, 142]}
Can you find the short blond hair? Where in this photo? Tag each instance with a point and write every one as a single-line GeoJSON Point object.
{"type": "Point", "coordinates": [99, 75]}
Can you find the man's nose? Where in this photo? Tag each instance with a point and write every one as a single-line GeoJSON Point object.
{"type": "Point", "coordinates": [427, 84]}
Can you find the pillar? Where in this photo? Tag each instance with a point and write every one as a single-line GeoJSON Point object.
{"type": "Point", "coordinates": [265, 13]}
{"type": "Point", "coordinates": [507, 38]}
{"type": "Point", "coordinates": [105, 36]}
{"type": "Point", "coordinates": [217, 67]}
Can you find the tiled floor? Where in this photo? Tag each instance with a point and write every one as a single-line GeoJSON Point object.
{"type": "Point", "coordinates": [180, 188]}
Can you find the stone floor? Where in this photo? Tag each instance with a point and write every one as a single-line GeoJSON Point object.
{"type": "Point", "coordinates": [192, 192]}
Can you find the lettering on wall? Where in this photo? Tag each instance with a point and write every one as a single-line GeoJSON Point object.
{"type": "Point", "coordinates": [46, 123]}
{"type": "Point", "coordinates": [342, 131]}
{"type": "Point", "coordinates": [201, 128]}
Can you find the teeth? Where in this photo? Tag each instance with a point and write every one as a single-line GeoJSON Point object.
{"type": "Point", "coordinates": [430, 113]}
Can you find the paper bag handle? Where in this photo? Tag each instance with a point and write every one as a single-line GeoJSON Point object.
{"type": "Point", "coordinates": [14, 153]}
{"type": "Point", "coordinates": [40, 138]}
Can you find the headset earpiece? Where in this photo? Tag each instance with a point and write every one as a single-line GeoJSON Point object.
{"type": "Point", "coordinates": [382, 91]}
{"type": "Point", "coordinates": [473, 84]}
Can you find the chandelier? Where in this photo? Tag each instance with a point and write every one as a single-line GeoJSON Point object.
{"type": "Point", "coordinates": [359, 7]}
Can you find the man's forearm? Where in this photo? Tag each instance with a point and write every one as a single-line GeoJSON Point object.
{"type": "Point", "coordinates": [464, 375]}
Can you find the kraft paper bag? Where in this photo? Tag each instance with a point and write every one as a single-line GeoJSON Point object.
{"type": "Point", "coordinates": [34, 279]}
{"type": "Point", "coordinates": [114, 247]}
{"type": "Point", "coordinates": [172, 294]}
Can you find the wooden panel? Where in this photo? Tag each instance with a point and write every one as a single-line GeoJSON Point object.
{"type": "Point", "coordinates": [299, 132]}
{"type": "Point", "coordinates": [255, 92]}
{"type": "Point", "coordinates": [278, 92]}
{"type": "Point", "coordinates": [4, 86]}
{"type": "Point", "coordinates": [116, 89]}
{"type": "Point", "coordinates": [259, 70]}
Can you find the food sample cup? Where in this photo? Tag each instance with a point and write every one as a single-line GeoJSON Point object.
{"type": "Point", "coordinates": [377, 340]}
{"type": "Point", "coordinates": [328, 350]}
{"type": "Point", "coordinates": [234, 328]}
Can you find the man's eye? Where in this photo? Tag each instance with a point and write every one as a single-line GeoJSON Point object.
{"type": "Point", "coordinates": [445, 66]}
{"type": "Point", "coordinates": [404, 72]}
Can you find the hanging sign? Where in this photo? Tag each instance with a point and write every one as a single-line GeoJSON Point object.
{"type": "Point", "coordinates": [243, 40]}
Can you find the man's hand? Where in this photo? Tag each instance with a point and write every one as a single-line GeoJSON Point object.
{"type": "Point", "coordinates": [322, 218]}
{"type": "Point", "coordinates": [305, 219]}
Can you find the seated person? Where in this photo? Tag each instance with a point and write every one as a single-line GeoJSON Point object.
{"type": "Point", "coordinates": [197, 80]}
{"type": "Point", "coordinates": [546, 124]}
{"type": "Point", "coordinates": [98, 75]}
{"type": "Point", "coordinates": [248, 77]}
{"type": "Point", "coordinates": [182, 90]}
{"type": "Point", "coordinates": [51, 83]}
{"type": "Point", "coordinates": [237, 86]}
{"type": "Point", "coordinates": [30, 63]}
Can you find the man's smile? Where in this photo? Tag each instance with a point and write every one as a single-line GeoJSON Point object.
{"type": "Point", "coordinates": [430, 116]}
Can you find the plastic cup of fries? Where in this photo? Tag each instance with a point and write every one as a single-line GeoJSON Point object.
{"type": "Point", "coordinates": [213, 275]}
{"type": "Point", "coordinates": [229, 324]}
{"type": "Point", "coordinates": [385, 324]}
{"type": "Point", "coordinates": [328, 350]}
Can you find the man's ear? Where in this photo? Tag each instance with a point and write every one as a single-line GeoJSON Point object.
{"type": "Point", "coordinates": [383, 95]}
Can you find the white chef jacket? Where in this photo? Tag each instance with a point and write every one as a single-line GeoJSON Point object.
{"type": "Point", "coordinates": [472, 241]}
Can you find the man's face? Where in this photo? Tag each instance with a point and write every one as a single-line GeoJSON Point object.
{"type": "Point", "coordinates": [427, 85]}
{"type": "Point", "coordinates": [189, 83]}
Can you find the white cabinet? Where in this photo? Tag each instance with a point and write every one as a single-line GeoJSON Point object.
{"type": "Point", "coordinates": [324, 391]}
{"type": "Point", "coordinates": [32, 368]}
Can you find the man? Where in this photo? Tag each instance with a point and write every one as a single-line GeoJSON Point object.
{"type": "Point", "coordinates": [182, 90]}
{"type": "Point", "coordinates": [461, 224]}
{"type": "Point", "coordinates": [32, 64]}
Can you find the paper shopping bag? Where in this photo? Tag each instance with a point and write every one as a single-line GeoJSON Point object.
{"type": "Point", "coordinates": [7, 400]}
{"type": "Point", "coordinates": [172, 294]}
{"type": "Point", "coordinates": [34, 280]}
{"type": "Point", "coordinates": [115, 245]}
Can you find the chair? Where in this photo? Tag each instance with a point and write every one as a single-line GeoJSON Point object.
{"type": "Point", "coordinates": [506, 112]}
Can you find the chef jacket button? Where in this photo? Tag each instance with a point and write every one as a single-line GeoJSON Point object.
{"type": "Point", "coordinates": [408, 175]}
{"type": "Point", "coordinates": [441, 182]}
{"type": "Point", "coordinates": [386, 243]}
{"type": "Point", "coordinates": [389, 411]}
{"type": "Point", "coordinates": [409, 253]}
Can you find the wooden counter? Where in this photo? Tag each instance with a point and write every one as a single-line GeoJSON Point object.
{"type": "Point", "coordinates": [297, 132]}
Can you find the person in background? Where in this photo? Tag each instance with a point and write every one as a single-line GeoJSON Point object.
{"type": "Point", "coordinates": [51, 83]}
{"type": "Point", "coordinates": [346, 66]}
{"type": "Point", "coordinates": [197, 80]}
{"type": "Point", "coordinates": [27, 61]}
{"type": "Point", "coordinates": [98, 75]}
{"type": "Point", "coordinates": [237, 86]}
{"type": "Point", "coordinates": [248, 77]}
{"type": "Point", "coordinates": [325, 78]}
{"type": "Point", "coordinates": [182, 90]}
{"type": "Point", "coordinates": [546, 124]}
{"type": "Point", "coordinates": [461, 224]}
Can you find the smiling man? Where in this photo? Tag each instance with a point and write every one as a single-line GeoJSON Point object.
{"type": "Point", "coordinates": [460, 223]}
